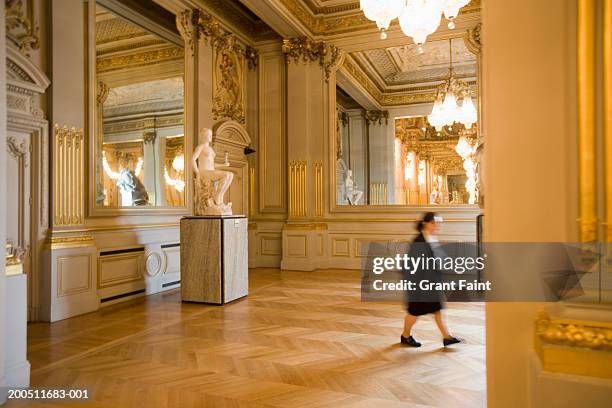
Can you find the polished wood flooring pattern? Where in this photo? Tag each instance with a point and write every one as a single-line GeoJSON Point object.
{"type": "Point", "coordinates": [301, 339]}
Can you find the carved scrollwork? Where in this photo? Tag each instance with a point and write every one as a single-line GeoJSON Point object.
{"type": "Point", "coordinates": [17, 149]}
{"type": "Point", "coordinates": [327, 55]}
{"type": "Point", "coordinates": [20, 28]}
{"type": "Point", "coordinates": [149, 137]}
{"type": "Point", "coordinates": [373, 117]}
{"type": "Point", "coordinates": [473, 39]}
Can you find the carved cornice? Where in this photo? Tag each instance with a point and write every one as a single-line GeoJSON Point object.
{"type": "Point", "coordinates": [373, 117]}
{"type": "Point", "coordinates": [142, 124]}
{"type": "Point", "coordinates": [139, 59]}
{"type": "Point", "coordinates": [327, 55]}
{"type": "Point", "coordinates": [254, 29]}
{"type": "Point", "coordinates": [20, 28]}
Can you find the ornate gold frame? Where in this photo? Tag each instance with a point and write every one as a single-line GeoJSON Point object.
{"type": "Point", "coordinates": [90, 131]}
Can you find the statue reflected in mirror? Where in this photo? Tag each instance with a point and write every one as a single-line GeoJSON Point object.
{"type": "Point", "coordinates": [351, 193]}
{"type": "Point", "coordinates": [133, 192]}
{"type": "Point", "coordinates": [211, 183]}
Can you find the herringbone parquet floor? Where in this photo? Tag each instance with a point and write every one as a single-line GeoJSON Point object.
{"type": "Point", "coordinates": [301, 339]}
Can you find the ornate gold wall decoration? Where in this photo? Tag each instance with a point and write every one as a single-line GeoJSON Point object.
{"type": "Point", "coordinates": [20, 26]}
{"type": "Point", "coordinates": [68, 176]}
{"type": "Point", "coordinates": [149, 137]}
{"type": "Point", "coordinates": [186, 22]}
{"type": "Point", "coordinates": [228, 79]}
{"type": "Point", "coordinates": [574, 334]}
{"type": "Point", "coordinates": [297, 188]}
{"type": "Point", "coordinates": [473, 39]}
{"type": "Point", "coordinates": [344, 18]}
{"type": "Point", "coordinates": [327, 55]}
{"type": "Point", "coordinates": [318, 179]}
{"type": "Point", "coordinates": [373, 117]}
{"type": "Point", "coordinates": [252, 57]}
{"type": "Point", "coordinates": [228, 62]}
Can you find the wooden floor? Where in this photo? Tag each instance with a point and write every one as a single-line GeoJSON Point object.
{"type": "Point", "coordinates": [301, 339]}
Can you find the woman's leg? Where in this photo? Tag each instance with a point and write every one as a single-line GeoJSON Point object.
{"type": "Point", "coordinates": [409, 321]}
{"type": "Point", "coordinates": [441, 325]}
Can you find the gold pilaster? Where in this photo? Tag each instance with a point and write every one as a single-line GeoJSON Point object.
{"type": "Point", "coordinates": [69, 160]}
{"type": "Point", "coordinates": [318, 178]}
{"type": "Point", "coordinates": [252, 192]}
{"type": "Point", "coordinates": [297, 188]}
{"type": "Point", "coordinates": [379, 194]}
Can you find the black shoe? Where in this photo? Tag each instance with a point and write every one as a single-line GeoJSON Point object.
{"type": "Point", "coordinates": [409, 341]}
{"type": "Point", "coordinates": [450, 340]}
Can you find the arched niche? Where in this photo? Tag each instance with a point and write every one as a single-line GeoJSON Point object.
{"type": "Point", "coordinates": [231, 137]}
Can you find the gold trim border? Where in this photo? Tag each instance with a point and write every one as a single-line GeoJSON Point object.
{"type": "Point", "coordinates": [587, 221]}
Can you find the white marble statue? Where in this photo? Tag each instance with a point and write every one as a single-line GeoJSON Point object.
{"type": "Point", "coordinates": [211, 183]}
{"type": "Point", "coordinates": [133, 192]}
{"type": "Point", "coordinates": [353, 196]}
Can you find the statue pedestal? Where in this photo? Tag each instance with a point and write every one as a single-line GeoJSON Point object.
{"type": "Point", "coordinates": [214, 258]}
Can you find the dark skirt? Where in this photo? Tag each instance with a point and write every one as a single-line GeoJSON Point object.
{"type": "Point", "coordinates": [422, 308]}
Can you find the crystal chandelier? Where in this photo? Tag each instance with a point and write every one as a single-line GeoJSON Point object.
{"type": "Point", "coordinates": [466, 148]}
{"type": "Point", "coordinates": [417, 18]}
{"type": "Point", "coordinates": [446, 109]}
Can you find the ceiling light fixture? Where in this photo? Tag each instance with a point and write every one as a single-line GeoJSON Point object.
{"type": "Point", "coordinates": [418, 18]}
{"type": "Point", "coordinates": [446, 109]}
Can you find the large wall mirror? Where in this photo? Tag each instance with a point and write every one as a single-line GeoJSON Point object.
{"type": "Point", "coordinates": [389, 149]}
{"type": "Point", "coordinates": [139, 150]}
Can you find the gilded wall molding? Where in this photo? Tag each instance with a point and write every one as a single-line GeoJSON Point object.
{"type": "Point", "coordinates": [69, 241]}
{"type": "Point", "coordinates": [573, 333]}
{"type": "Point", "coordinates": [328, 55]}
{"type": "Point", "coordinates": [139, 59]}
{"type": "Point", "coordinates": [587, 179]}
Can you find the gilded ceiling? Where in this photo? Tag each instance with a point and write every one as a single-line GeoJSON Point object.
{"type": "Point", "coordinates": [403, 66]}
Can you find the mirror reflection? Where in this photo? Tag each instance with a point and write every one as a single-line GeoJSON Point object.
{"type": "Point", "coordinates": [408, 134]}
{"type": "Point", "coordinates": [140, 159]}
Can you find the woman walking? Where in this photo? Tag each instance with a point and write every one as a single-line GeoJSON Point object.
{"type": "Point", "coordinates": [421, 303]}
